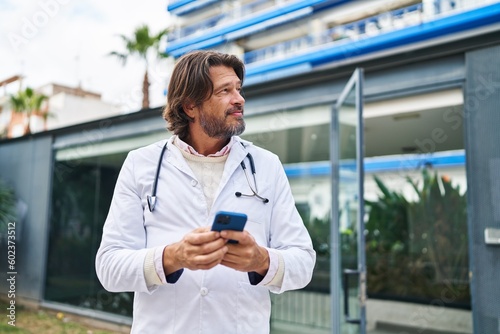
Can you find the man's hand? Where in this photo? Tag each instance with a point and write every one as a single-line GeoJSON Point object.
{"type": "Point", "coordinates": [199, 249]}
{"type": "Point", "coordinates": [246, 255]}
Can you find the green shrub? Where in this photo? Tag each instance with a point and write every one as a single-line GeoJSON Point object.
{"type": "Point", "coordinates": [7, 207]}
{"type": "Point", "coordinates": [418, 249]}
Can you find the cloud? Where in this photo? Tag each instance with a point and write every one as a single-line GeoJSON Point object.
{"type": "Point", "coordinates": [67, 42]}
{"type": "Point", "coordinates": [6, 5]}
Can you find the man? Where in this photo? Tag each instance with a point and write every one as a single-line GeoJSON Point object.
{"type": "Point", "coordinates": [187, 278]}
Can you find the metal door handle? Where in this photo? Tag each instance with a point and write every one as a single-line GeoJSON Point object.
{"type": "Point", "coordinates": [345, 277]}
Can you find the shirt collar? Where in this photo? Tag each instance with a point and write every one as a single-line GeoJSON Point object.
{"type": "Point", "coordinates": [189, 149]}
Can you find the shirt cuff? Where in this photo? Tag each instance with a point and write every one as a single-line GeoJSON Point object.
{"type": "Point", "coordinates": [158, 264]}
{"type": "Point", "coordinates": [150, 273]}
{"type": "Point", "coordinates": [277, 280]}
{"type": "Point", "coordinates": [275, 273]}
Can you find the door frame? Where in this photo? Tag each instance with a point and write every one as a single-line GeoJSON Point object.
{"type": "Point", "coordinates": [336, 271]}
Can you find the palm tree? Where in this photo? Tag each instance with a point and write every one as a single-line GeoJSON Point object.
{"type": "Point", "coordinates": [45, 114]}
{"type": "Point", "coordinates": [140, 45]}
{"type": "Point", "coordinates": [28, 102]}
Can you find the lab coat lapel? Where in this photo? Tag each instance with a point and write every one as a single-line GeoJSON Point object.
{"type": "Point", "coordinates": [236, 156]}
{"type": "Point", "coordinates": [176, 159]}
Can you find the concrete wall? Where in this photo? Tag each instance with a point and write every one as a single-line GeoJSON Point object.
{"type": "Point", "coordinates": [26, 165]}
{"type": "Point", "coordinates": [482, 123]}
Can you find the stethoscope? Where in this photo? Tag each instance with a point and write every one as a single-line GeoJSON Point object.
{"type": "Point", "coordinates": [255, 192]}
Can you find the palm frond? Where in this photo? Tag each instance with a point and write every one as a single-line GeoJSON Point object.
{"type": "Point", "coordinates": [140, 44]}
{"type": "Point", "coordinates": [160, 34]}
{"type": "Point", "coordinates": [121, 56]}
{"type": "Point", "coordinates": [17, 103]}
{"type": "Point", "coordinates": [27, 101]}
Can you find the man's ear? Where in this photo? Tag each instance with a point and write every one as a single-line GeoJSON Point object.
{"type": "Point", "coordinates": [189, 109]}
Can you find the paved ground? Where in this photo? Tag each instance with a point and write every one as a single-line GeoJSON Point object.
{"type": "Point", "coordinates": [282, 328]}
{"type": "Point", "coordinates": [295, 311]}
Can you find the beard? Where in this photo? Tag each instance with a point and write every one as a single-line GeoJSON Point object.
{"type": "Point", "coordinates": [217, 127]}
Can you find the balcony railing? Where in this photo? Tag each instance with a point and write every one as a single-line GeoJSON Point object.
{"type": "Point", "coordinates": [234, 15]}
{"type": "Point", "coordinates": [381, 23]}
{"type": "Point", "coordinates": [202, 26]}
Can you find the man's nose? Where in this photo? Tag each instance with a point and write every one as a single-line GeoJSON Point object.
{"type": "Point", "coordinates": [238, 98]}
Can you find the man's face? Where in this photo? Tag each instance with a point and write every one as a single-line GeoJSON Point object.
{"type": "Point", "coordinates": [221, 116]}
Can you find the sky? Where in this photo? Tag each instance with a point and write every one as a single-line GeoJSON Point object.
{"type": "Point", "coordinates": [68, 41]}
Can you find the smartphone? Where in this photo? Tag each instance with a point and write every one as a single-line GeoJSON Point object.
{"type": "Point", "coordinates": [225, 220]}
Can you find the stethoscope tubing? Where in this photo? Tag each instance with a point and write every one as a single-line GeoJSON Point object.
{"type": "Point", "coordinates": [151, 199]}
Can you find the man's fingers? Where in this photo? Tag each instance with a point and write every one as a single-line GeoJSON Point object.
{"type": "Point", "coordinates": [209, 247]}
{"type": "Point", "coordinates": [202, 229]}
{"type": "Point", "coordinates": [243, 238]}
{"type": "Point", "coordinates": [201, 237]}
{"type": "Point", "coordinates": [207, 261]}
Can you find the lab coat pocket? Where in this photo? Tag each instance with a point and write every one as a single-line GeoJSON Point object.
{"type": "Point", "coordinates": [254, 308]}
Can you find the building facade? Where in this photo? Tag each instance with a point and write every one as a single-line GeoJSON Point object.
{"type": "Point", "coordinates": [63, 106]}
{"type": "Point", "coordinates": [431, 91]}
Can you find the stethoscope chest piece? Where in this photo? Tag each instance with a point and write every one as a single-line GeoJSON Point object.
{"type": "Point", "coordinates": [255, 192]}
{"type": "Point", "coordinates": [151, 202]}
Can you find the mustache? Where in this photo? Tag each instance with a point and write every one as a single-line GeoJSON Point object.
{"type": "Point", "coordinates": [235, 109]}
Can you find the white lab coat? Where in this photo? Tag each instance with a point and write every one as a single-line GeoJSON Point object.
{"type": "Point", "coordinates": [219, 300]}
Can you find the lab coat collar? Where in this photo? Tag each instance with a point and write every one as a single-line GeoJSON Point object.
{"type": "Point", "coordinates": [237, 154]}
{"type": "Point", "coordinates": [175, 158]}
{"type": "Point", "coordinates": [239, 151]}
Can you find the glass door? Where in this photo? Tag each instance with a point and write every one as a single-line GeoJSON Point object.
{"type": "Point", "coordinates": [348, 273]}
